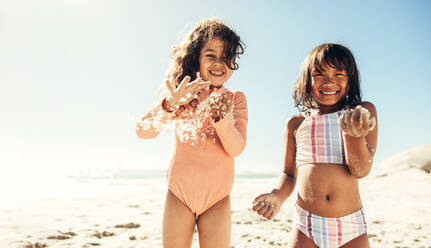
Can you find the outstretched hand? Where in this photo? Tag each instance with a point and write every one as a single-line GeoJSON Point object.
{"type": "Point", "coordinates": [185, 92]}
{"type": "Point", "coordinates": [267, 205]}
{"type": "Point", "coordinates": [357, 122]}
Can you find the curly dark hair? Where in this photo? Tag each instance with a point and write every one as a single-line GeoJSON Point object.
{"type": "Point", "coordinates": [185, 57]}
{"type": "Point", "coordinates": [336, 56]}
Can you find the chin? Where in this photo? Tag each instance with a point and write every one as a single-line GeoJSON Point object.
{"type": "Point", "coordinates": [217, 84]}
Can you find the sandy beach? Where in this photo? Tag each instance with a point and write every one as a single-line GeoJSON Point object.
{"type": "Point", "coordinates": [396, 197]}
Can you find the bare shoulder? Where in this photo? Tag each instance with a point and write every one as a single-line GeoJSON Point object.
{"type": "Point", "coordinates": [238, 94]}
{"type": "Point", "coordinates": [239, 98]}
{"type": "Point", "coordinates": [294, 122]}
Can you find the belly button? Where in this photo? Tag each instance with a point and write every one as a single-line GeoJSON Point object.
{"type": "Point", "coordinates": [327, 198]}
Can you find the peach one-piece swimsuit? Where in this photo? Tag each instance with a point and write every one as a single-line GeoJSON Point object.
{"type": "Point", "coordinates": [200, 175]}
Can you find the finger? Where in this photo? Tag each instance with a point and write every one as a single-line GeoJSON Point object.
{"type": "Point", "coordinates": [258, 206]}
{"type": "Point", "coordinates": [196, 81]}
{"type": "Point", "coordinates": [201, 85]}
{"type": "Point", "coordinates": [355, 116]}
{"type": "Point", "coordinates": [347, 118]}
{"type": "Point", "coordinates": [256, 201]}
{"type": "Point", "coordinates": [268, 211]}
{"type": "Point", "coordinates": [365, 125]}
{"type": "Point", "coordinates": [354, 122]}
{"type": "Point", "coordinates": [372, 123]}
{"type": "Point", "coordinates": [198, 89]}
{"type": "Point", "coordinates": [259, 199]}
{"type": "Point", "coordinates": [346, 121]}
{"type": "Point", "coordinates": [196, 85]}
{"type": "Point", "coordinates": [361, 112]}
{"type": "Point", "coordinates": [263, 209]}
{"type": "Point", "coordinates": [209, 84]}
{"type": "Point", "coordinates": [267, 214]}
{"type": "Point", "coordinates": [364, 118]}
{"type": "Point", "coordinates": [274, 212]}
{"type": "Point", "coordinates": [169, 86]}
{"type": "Point", "coordinates": [184, 82]}
{"type": "Point", "coordinates": [342, 123]}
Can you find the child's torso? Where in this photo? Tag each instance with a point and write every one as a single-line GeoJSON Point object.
{"type": "Point", "coordinates": [325, 186]}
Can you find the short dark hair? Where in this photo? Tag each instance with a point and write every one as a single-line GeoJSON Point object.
{"type": "Point", "coordinates": [336, 56]}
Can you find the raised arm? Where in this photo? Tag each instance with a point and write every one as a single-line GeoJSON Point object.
{"type": "Point", "coordinates": [232, 129]}
{"type": "Point", "coordinates": [150, 125]}
{"type": "Point", "coordinates": [360, 131]}
{"type": "Point", "coordinates": [153, 122]}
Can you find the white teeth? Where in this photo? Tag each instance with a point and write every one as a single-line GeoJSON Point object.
{"type": "Point", "coordinates": [217, 73]}
{"type": "Point", "coordinates": [329, 92]}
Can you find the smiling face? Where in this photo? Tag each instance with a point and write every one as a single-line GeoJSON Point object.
{"type": "Point", "coordinates": [212, 64]}
{"type": "Point", "coordinates": [328, 86]}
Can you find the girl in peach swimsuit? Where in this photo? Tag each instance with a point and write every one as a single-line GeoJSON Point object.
{"type": "Point", "coordinates": [210, 130]}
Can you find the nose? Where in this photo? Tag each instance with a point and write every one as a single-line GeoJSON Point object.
{"type": "Point", "coordinates": [219, 62]}
{"type": "Point", "coordinates": [327, 79]}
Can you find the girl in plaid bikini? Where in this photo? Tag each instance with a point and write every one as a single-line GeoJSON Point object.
{"type": "Point", "coordinates": [328, 147]}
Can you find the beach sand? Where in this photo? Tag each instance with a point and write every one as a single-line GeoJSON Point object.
{"type": "Point", "coordinates": [396, 197]}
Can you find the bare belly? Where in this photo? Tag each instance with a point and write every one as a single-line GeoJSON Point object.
{"type": "Point", "coordinates": [328, 190]}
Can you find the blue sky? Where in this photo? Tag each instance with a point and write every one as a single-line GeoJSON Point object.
{"type": "Point", "coordinates": [75, 74]}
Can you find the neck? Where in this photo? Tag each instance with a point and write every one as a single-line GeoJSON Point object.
{"type": "Point", "coordinates": [217, 87]}
{"type": "Point", "coordinates": [326, 109]}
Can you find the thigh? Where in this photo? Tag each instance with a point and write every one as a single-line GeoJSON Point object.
{"type": "Point", "coordinates": [178, 223]}
{"type": "Point", "coordinates": [361, 241]}
{"type": "Point", "coordinates": [214, 225]}
{"type": "Point", "coordinates": [300, 240]}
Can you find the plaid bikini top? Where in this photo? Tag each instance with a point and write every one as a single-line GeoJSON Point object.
{"type": "Point", "coordinates": [319, 139]}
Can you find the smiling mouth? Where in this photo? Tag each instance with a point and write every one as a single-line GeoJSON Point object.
{"type": "Point", "coordinates": [217, 73]}
{"type": "Point", "coordinates": [329, 92]}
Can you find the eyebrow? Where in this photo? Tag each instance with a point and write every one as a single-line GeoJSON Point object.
{"type": "Point", "coordinates": [208, 50]}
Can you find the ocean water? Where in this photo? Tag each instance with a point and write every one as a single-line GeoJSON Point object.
{"type": "Point", "coordinates": [125, 176]}
{"type": "Point", "coordinates": [23, 187]}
